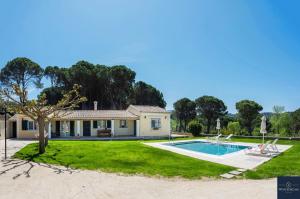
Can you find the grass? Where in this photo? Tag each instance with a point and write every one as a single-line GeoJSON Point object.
{"type": "Point", "coordinates": [131, 157]}
{"type": "Point", "coordinates": [286, 164]}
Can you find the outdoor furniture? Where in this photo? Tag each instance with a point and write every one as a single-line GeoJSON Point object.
{"type": "Point", "coordinates": [228, 138]}
{"type": "Point", "coordinates": [259, 150]}
{"type": "Point", "coordinates": [216, 138]}
{"type": "Point", "coordinates": [273, 146]}
{"type": "Point", "coordinates": [104, 133]}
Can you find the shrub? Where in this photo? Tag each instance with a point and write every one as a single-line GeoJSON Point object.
{"type": "Point", "coordinates": [195, 128]}
{"type": "Point", "coordinates": [256, 131]}
{"type": "Point", "coordinates": [234, 128]}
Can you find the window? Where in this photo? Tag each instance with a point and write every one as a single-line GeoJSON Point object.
{"type": "Point", "coordinates": [102, 124]}
{"type": "Point", "coordinates": [155, 123]}
{"type": "Point", "coordinates": [123, 124]}
{"type": "Point", "coordinates": [28, 125]}
{"type": "Point", "coordinates": [108, 124]}
{"type": "Point", "coordinates": [95, 124]}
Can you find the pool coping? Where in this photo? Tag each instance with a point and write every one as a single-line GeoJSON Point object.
{"type": "Point", "coordinates": [237, 159]}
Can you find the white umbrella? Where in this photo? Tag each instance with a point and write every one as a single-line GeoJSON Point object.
{"type": "Point", "coordinates": [218, 125]}
{"type": "Point", "coordinates": [263, 127]}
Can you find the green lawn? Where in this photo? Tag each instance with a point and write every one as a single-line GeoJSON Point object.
{"type": "Point", "coordinates": [130, 157]}
{"type": "Point", "coordinates": [286, 164]}
{"type": "Point", "coordinates": [133, 157]}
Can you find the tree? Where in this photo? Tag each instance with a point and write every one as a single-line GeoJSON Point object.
{"type": "Point", "coordinates": [234, 128]}
{"type": "Point", "coordinates": [113, 87]}
{"type": "Point", "coordinates": [195, 127]}
{"type": "Point", "coordinates": [210, 108]}
{"type": "Point", "coordinates": [83, 73]}
{"type": "Point", "coordinates": [145, 94]}
{"type": "Point", "coordinates": [248, 112]}
{"type": "Point", "coordinates": [22, 72]}
{"type": "Point", "coordinates": [296, 121]}
{"type": "Point", "coordinates": [53, 94]}
{"type": "Point", "coordinates": [38, 110]}
{"type": "Point", "coordinates": [285, 124]}
{"type": "Point", "coordinates": [227, 119]}
{"type": "Point", "coordinates": [275, 118]}
{"type": "Point", "coordinates": [185, 111]}
{"type": "Point", "coordinates": [278, 109]}
{"type": "Point", "coordinates": [56, 75]}
{"type": "Point", "coordinates": [1, 102]}
{"type": "Point", "coordinates": [122, 79]}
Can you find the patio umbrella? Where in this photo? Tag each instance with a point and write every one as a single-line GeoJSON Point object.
{"type": "Point", "coordinates": [263, 127]}
{"type": "Point", "coordinates": [218, 125]}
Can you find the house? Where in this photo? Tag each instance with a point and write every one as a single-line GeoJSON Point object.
{"type": "Point", "coordinates": [135, 121]}
{"type": "Point", "coordinates": [2, 128]}
{"type": "Point", "coordinates": [9, 132]}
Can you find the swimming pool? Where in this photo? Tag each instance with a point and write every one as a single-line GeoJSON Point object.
{"type": "Point", "coordinates": [208, 147]}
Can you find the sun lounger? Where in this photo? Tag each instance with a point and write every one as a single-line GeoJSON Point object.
{"type": "Point", "coordinates": [216, 138]}
{"type": "Point", "coordinates": [227, 139]}
{"type": "Point", "coordinates": [273, 146]}
{"type": "Point", "coordinates": [261, 149]}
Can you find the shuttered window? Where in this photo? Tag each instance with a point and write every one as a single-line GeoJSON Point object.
{"type": "Point", "coordinates": [155, 123]}
{"type": "Point", "coordinates": [95, 124]}
{"type": "Point", "coordinates": [28, 125]}
{"type": "Point", "coordinates": [123, 124]}
{"type": "Point", "coordinates": [24, 125]}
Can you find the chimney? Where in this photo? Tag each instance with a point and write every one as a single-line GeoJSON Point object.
{"type": "Point", "coordinates": [95, 105]}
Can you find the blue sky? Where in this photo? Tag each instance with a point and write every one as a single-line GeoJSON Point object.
{"type": "Point", "coordinates": [238, 49]}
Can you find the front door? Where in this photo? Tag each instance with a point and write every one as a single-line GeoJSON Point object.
{"type": "Point", "coordinates": [86, 128]}
{"type": "Point", "coordinates": [14, 129]}
{"type": "Point", "coordinates": [134, 127]}
{"type": "Point", "coordinates": [108, 124]}
{"type": "Point", "coordinates": [72, 128]}
{"type": "Point", "coordinates": [57, 128]}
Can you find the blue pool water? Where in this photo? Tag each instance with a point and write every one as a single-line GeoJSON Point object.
{"type": "Point", "coordinates": [207, 147]}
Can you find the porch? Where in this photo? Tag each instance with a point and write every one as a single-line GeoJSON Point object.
{"type": "Point", "coordinates": [101, 128]}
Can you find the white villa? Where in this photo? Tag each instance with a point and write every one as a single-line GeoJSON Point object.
{"type": "Point", "coordinates": [135, 121]}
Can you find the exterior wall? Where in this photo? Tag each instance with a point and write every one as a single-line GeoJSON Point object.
{"type": "Point", "coordinates": [2, 129]}
{"type": "Point", "coordinates": [145, 124]}
{"type": "Point", "coordinates": [94, 130]}
{"type": "Point", "coordinates": [9, 132]}
{"type": "Point", "coordinates": [129, 131]}
{"type": "Point", "coordinates": [53, 127]}
{"type": "Point", "coordinates": [143, 127]}
{"type": "Point", "coordinates": [24, 133]}
{"type": "Point", "coordinates": [81, 127]}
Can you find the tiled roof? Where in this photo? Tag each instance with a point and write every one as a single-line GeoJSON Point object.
{"type": "Point", "coordinates": [149, 109]}
{"type": "Point", "coordinates": [132, 113]}
{"type": "Point", "coordinates": [14, 117]}
{"type": "Point", "coordinates": [98, 114]}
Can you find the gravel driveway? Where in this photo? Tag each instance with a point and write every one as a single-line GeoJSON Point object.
{"type": "Point", "coordinates": [22, 179]}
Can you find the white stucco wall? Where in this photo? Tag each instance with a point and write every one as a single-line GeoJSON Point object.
{"type": "Point", "coordinates": [24, 133]}
{"type": "Point", "coordinates": [2, 129]}
{"type": "Point", "coordinates": [129, 131]}
{"type": "Point", "coordinates": [145, 124]}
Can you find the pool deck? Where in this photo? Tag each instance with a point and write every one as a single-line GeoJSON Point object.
{"type": "Point", "coordinates": [237, 159]}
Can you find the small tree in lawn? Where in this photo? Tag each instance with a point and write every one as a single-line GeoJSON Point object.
{"type": "Point", "coordinates": [38, 110]}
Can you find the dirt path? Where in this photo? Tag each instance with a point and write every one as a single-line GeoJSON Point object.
{"type": "Point", "coordinates": [21, 179]}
